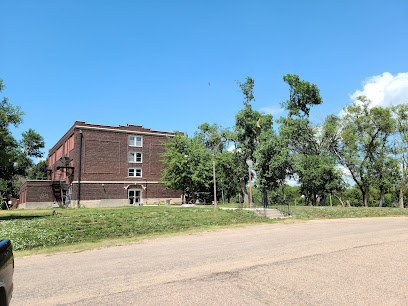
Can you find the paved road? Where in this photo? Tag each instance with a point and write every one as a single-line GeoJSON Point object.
{"type": "Point", "coordinates": [336, 262]}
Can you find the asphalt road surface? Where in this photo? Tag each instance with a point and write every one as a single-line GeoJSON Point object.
{"type": "Point", "coordinates": [324, 262]}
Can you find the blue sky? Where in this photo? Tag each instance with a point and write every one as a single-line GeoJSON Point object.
{"type": "Point", "coordinates": [172, 65]}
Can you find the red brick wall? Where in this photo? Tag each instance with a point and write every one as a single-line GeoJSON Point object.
{"type": "Point", "coordinates": [99, 192]}
{"type": "Point", "coordinates": [105, 156]}
{"type": "Point", "coordinates": [120, 191]}
{"type": "Point", "coordinates": [36, 191]}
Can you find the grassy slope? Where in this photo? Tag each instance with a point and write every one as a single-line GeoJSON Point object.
{"type": "Point", "coordinates": [32, 229]}
{"type": "Point", "coordinates": [78, 229]}
{"type": "Point", "coordinates": [327, 212]}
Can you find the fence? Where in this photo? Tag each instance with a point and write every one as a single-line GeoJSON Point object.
{"type": "Point", "coordinates": [284, 207]}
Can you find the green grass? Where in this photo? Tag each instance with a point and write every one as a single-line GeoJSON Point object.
{"type": "Point", "coordinates": [37, 231]}
{"type": "Point", "coordinates": [327, 212]}
{"type": "Point", "coordinates": [33, 229]}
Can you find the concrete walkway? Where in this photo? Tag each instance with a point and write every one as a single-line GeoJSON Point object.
{"type": "Point", "coordinates": [271, 213]}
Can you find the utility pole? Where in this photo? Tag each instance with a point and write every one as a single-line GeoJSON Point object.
{"type": "Point", "coordinates": [215, 186]}
{"type": "Point", "coordinates": [215, 181]}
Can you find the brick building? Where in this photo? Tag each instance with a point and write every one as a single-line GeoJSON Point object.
{"type": "Point", "coordinates": [99, 165]}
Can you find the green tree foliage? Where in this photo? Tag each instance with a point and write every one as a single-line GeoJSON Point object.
{"type": "Point", "coordinates": [226, 173]}
{"type": "Point", "coordinates": [15, 155]}
{"type": "Point", "coordinates": [357, 137]}
{"type": "Point", "coordinates": [39, 171]}
{"type": "Point", "coordinates": [354, 196]}
{"type": "Point", "coordinates": [302, 96]}
{"type": "Point", "coordinates": [273, 162]}
{"type": "Point", "coordinates": [247, 89]}
{"type": "Point", "coordinates": [216, 138]}
{"type": "Point", "coordinates": [384, 174]}
{"type": "Point", "coordinates": [314, 167]}
{"type": "Point", "coordinates": [187, 164]}
{"type": "Point", "coordinates": [297, 127]}
{"type": "Point", "coordinates": [249, 124]}
{"type": "Point", "coordinates": [32, 143]}
{"type": "Point", "coordinates": [318, 177]}
{"type": "Point", "coordinates": [400, 112]}
{"type": "Point", "coordinates": [359, 140]}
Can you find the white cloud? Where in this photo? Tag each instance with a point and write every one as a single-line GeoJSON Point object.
{"type": "Point", "coordinates": [231, 148]}
{"type": "Point", "coordinates": [385, 89]}
{"type": "Point", "coordinates": [273, 110]}
{"type": "Point", "coordinates": [292, 182]}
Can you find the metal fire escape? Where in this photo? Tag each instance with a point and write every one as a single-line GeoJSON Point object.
{"type": "Point", "coordinates": [60, 187]}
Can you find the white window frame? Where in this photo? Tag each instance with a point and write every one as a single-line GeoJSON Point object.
{"type": "Point", "coordinates": [134, 172]}
{"type": "Point", "coordinates": [134, 157]}
{"type": "Point", "coordinates": [133, 142]}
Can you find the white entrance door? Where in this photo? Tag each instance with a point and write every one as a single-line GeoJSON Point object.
{"type": "Point", "coordinates": [134, 197]}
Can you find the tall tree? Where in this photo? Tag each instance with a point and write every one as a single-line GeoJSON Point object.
{"type": "Point", "coordinates": [187, 164]}
{"type": "Point", "coordinates": [401, 146]}
{"type": "Point", "coordinates": [384, 174]}
{"type": "Point", "coordinates": [273, 162]}
{"type": "Point", "coordinates": [356, 137]}
{"type": "Point", "coordinates": [249, 124]}
{"type": "Point", "coordinates": [15, 155]}
{"type": "Point", "coordinates": [314, 167]}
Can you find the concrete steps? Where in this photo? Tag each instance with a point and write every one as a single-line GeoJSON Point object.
{"type": "Point", "coordinates": [271, 213]}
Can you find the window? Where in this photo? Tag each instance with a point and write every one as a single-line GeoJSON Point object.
{"type": "Point", "coordinates": [135, 172]}
{"type": "Point", "coordinates": [135, 157]}
{"type": "Point", "coordinates": [135, 141]}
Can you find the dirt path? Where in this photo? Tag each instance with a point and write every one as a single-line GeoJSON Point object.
{"type": "Point", "coordinates": [345, 261]}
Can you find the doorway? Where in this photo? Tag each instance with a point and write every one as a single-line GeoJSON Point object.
{"type": "Point", "coordinates": [134, 197]}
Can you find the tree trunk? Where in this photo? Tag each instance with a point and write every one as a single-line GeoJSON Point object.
{"type": "Point", "coordinates": [244, 190]}
{"type": "Point", "coordinates": [308, 200]}
{"type": "Point", "coordinates": [401, 198]}
{"type": "Point", "coordinates": [365, 196]}
{"type": "Point", "coordinates": [348, 203]}
{"type": "Point", "coordinates": [382, 198]}
{"type": "Point", "coordinates": [331, 203]}
{"type": "Point", "coordinates": [313, 200]}
{"type": "Point", "coordinates": [323, 200]}
{"type": "Point", "coordinates": [264, 196]}
{"type": "Point", "coordinates": [401, 191]}
{"type": "Point", "coordinates": [283, 192]}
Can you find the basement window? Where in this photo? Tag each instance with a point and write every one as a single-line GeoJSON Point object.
{"type": "Point", "coordinates": [135, 157]}
{"type": "Point", "coordinates": [135, 141]}
{"type": "Point", "coordinates": [135, 172]}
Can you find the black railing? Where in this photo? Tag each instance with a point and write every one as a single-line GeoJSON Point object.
{"type": "Point", "coordinates": [283, 207]}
